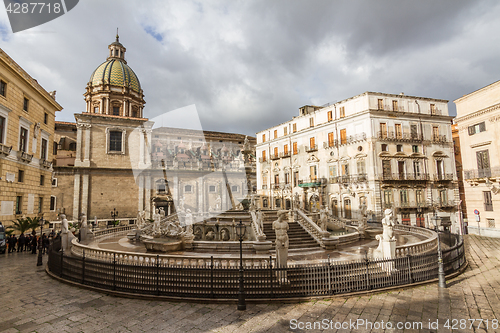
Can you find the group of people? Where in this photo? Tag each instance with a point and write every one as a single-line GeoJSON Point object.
{"type": "Point", "coordinates": [30, 242]}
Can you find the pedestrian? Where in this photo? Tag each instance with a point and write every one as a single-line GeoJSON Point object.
{"type": "Point", "coordinates": [45, 243]}
{"type": "Point", "coordinates": [21, 242]}
{"type": "Point", "coordinates": [33, 244]}
{"type": "Point", "coordinates": [12, 243]}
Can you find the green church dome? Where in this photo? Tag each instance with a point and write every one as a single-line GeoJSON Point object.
{"type": "Point", "coordinates": [116, 73]}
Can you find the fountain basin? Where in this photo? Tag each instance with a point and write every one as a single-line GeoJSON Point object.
{"type": "Point", "coordinates": [162, 244]}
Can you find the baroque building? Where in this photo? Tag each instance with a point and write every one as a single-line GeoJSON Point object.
{"type": "Point", "coordinates": [478, 115]}
{"type": "Point", "coordinates": [381, 150]}
{"type": "Point", "coordinates": [27, 114]}
{"type": "Point", "coordinates": [114, 158]}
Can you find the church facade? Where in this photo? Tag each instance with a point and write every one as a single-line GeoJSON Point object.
{"type": "Point", "coordinates": [114, 159]}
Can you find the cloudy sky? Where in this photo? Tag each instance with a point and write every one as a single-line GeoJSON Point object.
{"type": "Point", "coordinates": [248, 65]}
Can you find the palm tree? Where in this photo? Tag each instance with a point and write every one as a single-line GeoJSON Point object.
{"type": "Point", "coordinates": [24, 224]}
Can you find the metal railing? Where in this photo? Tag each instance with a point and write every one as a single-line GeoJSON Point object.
{"type": "Point", "coordinates": [347, 140]}
{"type": "Point", "coordinates": [391, 136]}
{"type": "Point", "coordinates": [347, 179]}
{"type": "Point", "coordinates": [403, 176]}
{"type": "Point", "coordinates": [311, 148]}
{"type": "Point", "coordinates": [285, 154]}
{"type": "Point", "coordinates": [439, 139]}
{"type": "Point", "coordinates": [274, 156]}
{"type": "Point", "coordinates": [211, 280]}
{"type": "Point", "coordinates": [443, 177]}
{"type": "Point", "coordinates": [482, 173]}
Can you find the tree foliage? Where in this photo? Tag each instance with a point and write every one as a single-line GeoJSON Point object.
{"type": "Point", "coordinates": [24, 224]}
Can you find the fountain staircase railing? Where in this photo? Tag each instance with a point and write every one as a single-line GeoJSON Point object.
{"type": "Point", "coordinates": [312, 228]}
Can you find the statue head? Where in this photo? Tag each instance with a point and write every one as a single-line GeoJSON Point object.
{"type": "Point", "coordinates": [388, 212]}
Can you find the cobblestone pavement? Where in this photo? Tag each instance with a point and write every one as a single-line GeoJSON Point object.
{"type": "Point", "coordinates": [31, 301]}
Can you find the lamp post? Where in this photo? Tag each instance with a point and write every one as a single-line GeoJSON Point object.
{"type": "Point", "coordinates": [240, 232]}
{"type": "Point", "coordinates": [114, 214]}
{"type": "Point", "coordinates": [39, 262]}
{"type": "Point", "coordinates": [441, 276]}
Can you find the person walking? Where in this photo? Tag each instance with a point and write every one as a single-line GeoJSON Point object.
{"type": "Point", "coordinates": [45, 243]}
{"type": "Point", "coordinates": [33, 244]}
{"type": "Point", "coordinates": [12, 243]}
{"type": "Point", "coordinates": [21, 242]}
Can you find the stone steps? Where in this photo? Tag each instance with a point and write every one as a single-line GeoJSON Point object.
{"type": "Point", "coordinates": [298, 238]}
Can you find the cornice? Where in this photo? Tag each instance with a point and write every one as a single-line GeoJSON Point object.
{"type": "Point", "coordinates": [477, 113]}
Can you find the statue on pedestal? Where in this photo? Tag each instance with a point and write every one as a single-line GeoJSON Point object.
{"type": "Point", "coordinates": [323, 219]}
{"type": "Point", "coordinates": [387, 242]}
{"type": "Point", "coordinates": [66, 235]}
{"type": "Point", "coordinates": [363, 221]}
{"type": "Point", "coordinates": [280, 227]}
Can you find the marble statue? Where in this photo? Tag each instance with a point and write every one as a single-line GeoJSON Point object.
{"type": "Point", "coordinates": [162, 212]}
{"type": "Point", "coordinates": [323, 219]}
{"type": "Point", "coordinates": [388, 224]}
{"type": "Point", "coordinates": [66, 235]}
{"type": "Point", "coordinates": [210, 235]}
{"type": "Point", "coordinates": [189, 217]}
{"type": "Point", "coordinates": [362, 225]}
{"type": "Point", "coordinates": [156, 218]}
{"type": "Point", "coordinates": [224, 234]}
{"type": "Point", "coordinates": [217, 203]}
{"type": "Point", "coordinates": [246, 144]}
{"type": "Point", "coordinates": [260, 219]}
{"type": "Point", "coordinates": [280, 227]}
{"type": "Point", "coordinates": [140, 219]}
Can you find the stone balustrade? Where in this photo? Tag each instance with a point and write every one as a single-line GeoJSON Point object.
{"type": "Point", "coordinates": [312, 228]}
{"type": "Point", "coordinates": [133, 258]}
{"type": "Point", "coordinates": [426, 245]}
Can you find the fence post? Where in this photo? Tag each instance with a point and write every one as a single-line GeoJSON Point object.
{"type": "Point", "coordinates": [114, 271]}
{"type": "Point", "coordinates": [410, 275]}
{"type": "Point", "coordinates": [329, 277]}
{"type": "Point", "coordinates": [83, 267]}
{"type": "Point", "coordinates": [367, 263]}
{"type": "Point", "coordinates": [158, 274]}
{"type": "Point", "coordinates": [212, 276]}
{"type": "Point", "coordinates": [271, 274]}
{"type": "Point", "coordinates": [62, 259]}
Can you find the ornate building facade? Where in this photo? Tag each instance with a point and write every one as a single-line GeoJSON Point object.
{"type": "Point", "coordinates": [383, 150]}
{"type": "Point", "coordinates": [478, 115]}
{"type": "Point", "coordinates": [113, 158]}
{"type": "Point", "coordinates": [27, 114]}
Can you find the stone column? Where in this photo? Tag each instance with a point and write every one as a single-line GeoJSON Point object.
{"type": "Point", "coordinates": [148, 196]}
{"type": "Point", "coordinates": [141, 147]}
{"type": "Point", "coordinates": [76, 197]}
{"type": "Point", "coordinates": [85, 193]}
{"type": "Point", "coordinates": [78, 143]}
{"type": "Point", "coordinates": [140, 204]}
{"type": "Point", "coordinates": [200, 188]}
{"type": "Point", "coordinates": [107, 105]}
{"type": "Point", "coordinates": [176, 191]}
{"type": "Point", "coordinates": [124, 107]}
{"type": "Point", "coordinates": [86, 158]}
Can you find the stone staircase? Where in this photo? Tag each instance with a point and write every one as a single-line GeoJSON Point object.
{"type": "Point", "coordinates": [297, 236]}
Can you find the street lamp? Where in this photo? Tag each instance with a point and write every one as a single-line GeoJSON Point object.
{"type": "Point", "coordinates": [442, 279]}
{"type": "Point", "coordinates": [41, 221]}
{"type": "Point", "coordinates": [114, 214]}
{"type": "Point", "coordinates": [240, 232]}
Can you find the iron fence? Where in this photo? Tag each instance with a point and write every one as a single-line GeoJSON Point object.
{"type": "Point", "coordinates": [264, 282]}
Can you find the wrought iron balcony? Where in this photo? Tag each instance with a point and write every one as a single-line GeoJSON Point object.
{"type": "Point", "coordinates": [443, 177]}
{"type": "Point", "coordinates": [285, 154]}
{"type": "Point", "coordinates": [347, 140]}
{"type": "Point", "coordinates": [412, 204]}
{"type": "Point", "coordinates": [446, 203]}
{"type": "Point", "coordinates": [482, 173]}
{"type": "Point", "coordinates": [311, 148]}
{"type": "Point", "coordinates": [389, 107]}
{"type": "Point", "coordinates": [274, 156]}
{"type": "Point", "coordinates": [439, 139]}
{"type": "Point", "coordinates": [5, 150]}
{"type": "Point", "coordinates": [262, 159]}
{"type": "Point", "coordinates": [403, 176]}
{"type": "Point", "coordinates": [436, 112]}
{"type": "Point", "coordinates": [405, 137]}
{"type": "Point", "coordinates": [347, 179]}
{"type": "Point", "coordinates": [25, 157]}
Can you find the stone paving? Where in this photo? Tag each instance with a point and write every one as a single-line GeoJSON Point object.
{"type": "Point", "coordinates": [31, 301]}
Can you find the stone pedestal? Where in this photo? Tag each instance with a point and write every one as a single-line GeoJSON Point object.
{"type": "Point", "coordinates": [330, 243]}
{"type": "Point", "coordinates": [262, 247]}
{"type": "Point", "coordinates": [389, 249]}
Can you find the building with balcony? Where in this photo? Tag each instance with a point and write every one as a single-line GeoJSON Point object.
{"type": "Point", "coordinates": [27, 114]}
{"type": "Point", "coordinates": [384, 150]}
{"type": "Point", "coordinates": [478, 123]}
